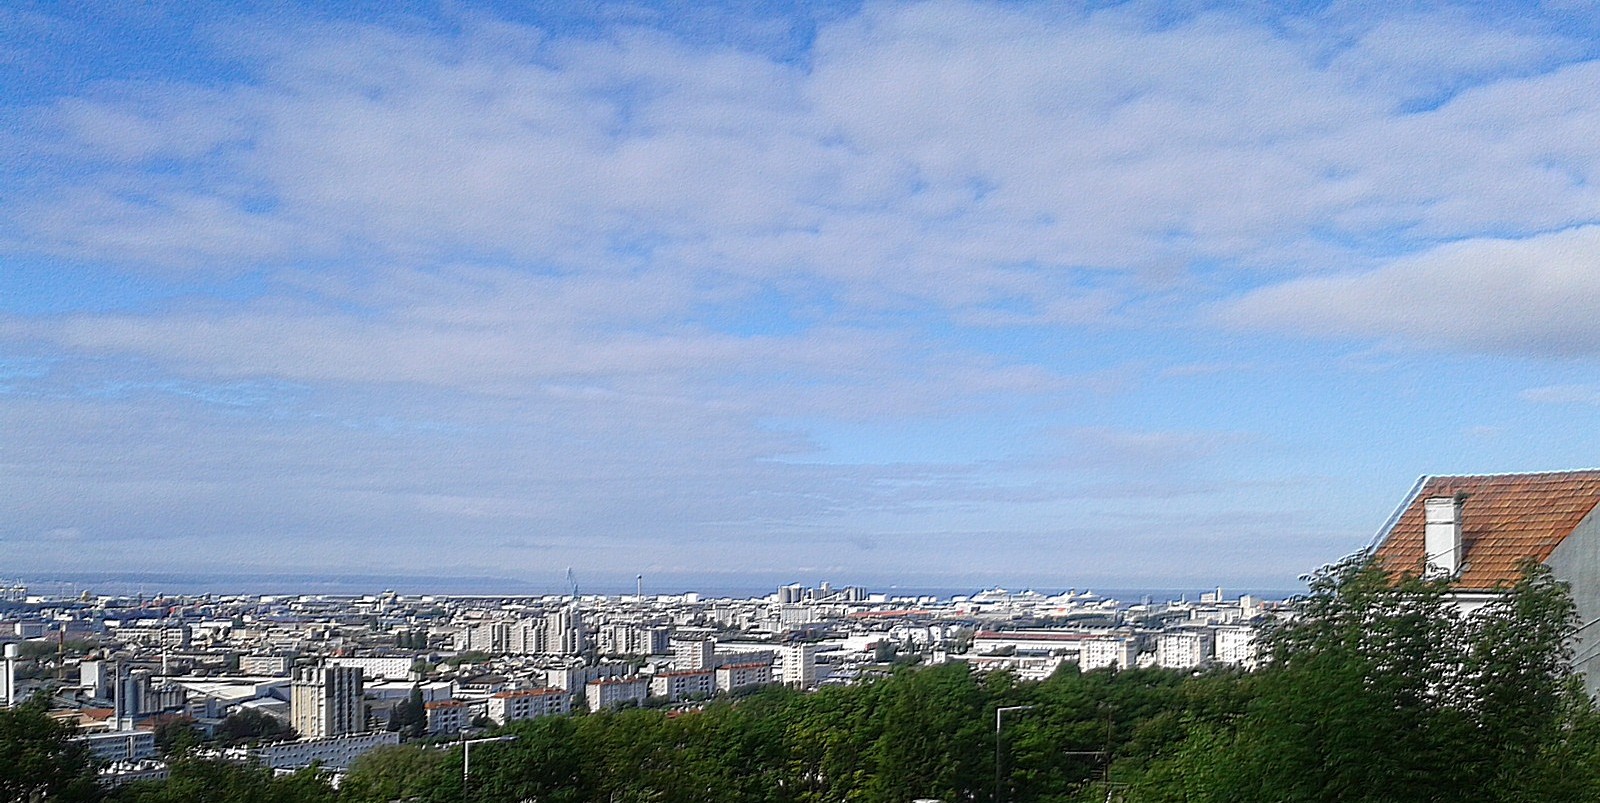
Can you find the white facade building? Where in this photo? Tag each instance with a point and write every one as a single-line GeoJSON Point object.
{"type": "Point", "coordinates": [326, 701]}
{"type": "Point", "coordinates": [732, 677]}
{"type": "Point", "coordinates": [374, 668]}
{"type": "Point", "coordinates": [1183, 649]}
{"type": "Point", "coordinates": [510, 706]}
{"type": "Point", "coordinates": [682, 685]}
{"type": "Point", "coordinates": [1118, 652]}
{"type": "Point", "coordinates": [604, 694]}
{"type": "Point", "coordinates": [334, 753]}
{"type": "Point", "coordinates": [800, 665]}
{"type": "Point", "coordinates": [1236, 646]}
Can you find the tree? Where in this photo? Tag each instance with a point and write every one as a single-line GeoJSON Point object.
{"type": "Point", "coordinates": [177, 736]}
{"type": "Point", "coordinates": [401, 772]}
{"type": "Point", "coordinates": [1381, 690]}
{"type": "Point", "coordinates": [39, 760]}
{"type": "Point", "coordinates": [410, 716]}
{"type": "Point", "coordinates": [248, 725]}
{"type": "Point", "coordinates": [196, 779]}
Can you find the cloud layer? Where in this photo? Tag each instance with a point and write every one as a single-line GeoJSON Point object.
{"type": "Point", "coordinates": [637, 287]}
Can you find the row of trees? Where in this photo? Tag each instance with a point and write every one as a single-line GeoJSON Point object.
{"type": "Point", "coordinates": [1375, 692]}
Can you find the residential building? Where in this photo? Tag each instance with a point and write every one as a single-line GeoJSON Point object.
{"type": "Point", "coordinates": [697, 654]}
{"type": "Point", "coordinates": [683, 685]}
{"type": "Point", "coordinates": [335, 753]}
{"type": "Point", "coordinates": [1117, 652]}
{"type": "Point", "coordinates": [1183, 649]}
{"type": "Point", "coordinates": [326, 701]}
{"type": "Point", "coordinates": [1236, 646]}
{"type": "Point", "coordinates": [614, 693]}
{"type": "Point", "coordinates": [128, 745]}
{"type": "Point", "coordinates": [800, 665]}
{"type": "Point", "coordinates": [448, 716]}
{"type": "Point", "coordinates": [1477, 530]}
{"type": "Point", "coordinates": [510, 706]}
{"type": "Point", "coordinates": [732, 677]}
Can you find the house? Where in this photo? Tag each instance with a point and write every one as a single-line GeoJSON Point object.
{"type": "Point", "coordinates": [1477, 530]}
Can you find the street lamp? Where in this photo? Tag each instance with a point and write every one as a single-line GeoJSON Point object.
{"type": "Point", "coordinates": [998, 714]}
{"type": "Point", "coordinates": [466, 756]}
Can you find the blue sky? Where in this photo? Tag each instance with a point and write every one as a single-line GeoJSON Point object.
{"type": "Point", "coordinates": [1109, 294]}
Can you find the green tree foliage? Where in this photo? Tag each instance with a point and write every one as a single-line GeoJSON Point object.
{"type": "Point", "coordinates": [197, 780]}
{"type": "Point", "coordinates": [1382, 691]}
{"type": "Point", "coordinates": [39, 761]}
{"type": "Point", "coordinates": [248, 726]}
{"type": "Point", "coordinates": [176, 737]}
{"type": "Point", "coordinates": [402, 772]}
{"type": "Point", "coordinates": [410, 716]}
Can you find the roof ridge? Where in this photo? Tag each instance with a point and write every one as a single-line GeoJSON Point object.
{"type": "Point", "coordinates": [1557, 472]}
{"type": "Point", "coordinates": [1394, 518]}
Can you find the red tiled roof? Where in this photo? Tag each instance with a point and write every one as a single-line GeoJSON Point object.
{"type": "Point", "coordinates": [507, 695]}
{"type": "Point", "coordinates": [1505, 519]}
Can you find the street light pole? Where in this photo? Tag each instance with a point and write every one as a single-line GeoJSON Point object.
{"type": "Point", "coordinates": [466, 757]}
{"type": "Point", "coordinates": [998, 713]}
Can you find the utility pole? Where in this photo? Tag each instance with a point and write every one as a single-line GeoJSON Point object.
{"type": "Point", "coordinates": [998, 777]}
{"type": "Point", "coordinates": [466, 757]}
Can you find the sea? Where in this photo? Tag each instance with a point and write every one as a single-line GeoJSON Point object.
{"type": "Point", "coordinates": [708, 586]}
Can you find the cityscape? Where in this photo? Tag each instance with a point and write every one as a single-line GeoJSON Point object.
{"type": "Point", "coordinates": [339, 670]}
{"type": "Point", "coordinates": [840, 401]}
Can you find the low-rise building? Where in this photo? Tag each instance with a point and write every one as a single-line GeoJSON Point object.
{"type": "Point", "coordinates": [1117, 652]}
{"type": "Point", "coordinates": [448, 716]}
{"type": "Point", "coordinates": [1183, 649]}
{"type": "Point", "coordinates": [510, 706]}
{"type": "Point", "coordinates": [125, 745]}
{"type": "Point", "coordinates": [732, 677]}
{"type": "Point", "coordinates": [614, 693]}
{"type": "Point", "coordinates": [683, 685]}
{"type": "Point", "coordinates": [334, 753]}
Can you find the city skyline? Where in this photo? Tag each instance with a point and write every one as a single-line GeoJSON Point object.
{"type": "Point", "coordinates": [1111, 295]}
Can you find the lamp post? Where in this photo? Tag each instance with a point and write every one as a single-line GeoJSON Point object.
{"type": "Point", "coordinates": [11, 675]}
{"type": "Point", "coordinates": [999, 713]}
{"type": "Point", "coordinates": [466, 756]}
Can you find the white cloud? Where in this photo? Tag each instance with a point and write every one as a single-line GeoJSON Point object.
{"type": "Point", "coordinates": [953, 153]}
{"type": "Point", "coordinates": [1537, 295]}
{"type": "Point", "coordinates": [1562, 394]}
{"type": "Point", "coordinates": [591, 292]}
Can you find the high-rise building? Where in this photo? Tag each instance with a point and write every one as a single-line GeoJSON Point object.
{"type": "Point", "coordinates": [699, 654]}
{"type": "Point", "coordinates": [326, 701]}
{"type": "Point", "coordinates": [563, 632]}
{"type": "Point", "coordinates": [800, 665]}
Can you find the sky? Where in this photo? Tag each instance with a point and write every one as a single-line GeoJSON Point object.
{"type": "Point", "coordinates": [1060, 294]}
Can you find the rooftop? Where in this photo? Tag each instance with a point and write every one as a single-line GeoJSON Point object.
{"type": "Point", "coordinates": [1505, 518]}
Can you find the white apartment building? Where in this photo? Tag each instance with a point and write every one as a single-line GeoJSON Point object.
{"type": "Point", "coordinates": [681, 685]}
{"type": "Point", "coordinates": [731, 677]}
{"type": "Point", "coordinates": [1118, 652]}
{"type": "Point", "coordinates": [326, 701]}
{"type": "Point", "coordinates": [1183, 649]}
{"type": "Point", "coordinates": [698, 654]}
{"type": "Point", "coordinates": [625, 638]}
{"type": "Point", "coordinates": [614, 693]}
{"type": "Point", "coordinates": [396, 667]}
{"type": "Point", "coordinates": [269, 665]}
{"type": "Point", "coordinates": [510, 706]}
{"type": "Point", "coordinates": [800, 665]}
{"type": "Point", "coordinates": [1236, 646]}
{"type": "Point", "coordinates": [335, 753]}
{"type": "Point", "coordinates": [448, 716]}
